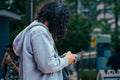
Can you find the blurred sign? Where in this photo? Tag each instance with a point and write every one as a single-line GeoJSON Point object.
{"type": "Point", "coordinates": [103, 38]}
{"type": "Point", "coordinates": [108, 75]}
{"type": "Point", "coordinates": [103, 50]}
{"type": "Point", "coordinates": [93, 41]}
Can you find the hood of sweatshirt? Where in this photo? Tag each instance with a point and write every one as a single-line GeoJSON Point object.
{"type": "Point", "coordinates": [18, 41]}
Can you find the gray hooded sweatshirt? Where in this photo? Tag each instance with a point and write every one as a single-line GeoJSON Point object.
{"type": "Point", "coordinates": [39, 58]}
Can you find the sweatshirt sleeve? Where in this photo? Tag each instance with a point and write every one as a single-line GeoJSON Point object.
{"type": "Point", "coordinates": [44, 53]}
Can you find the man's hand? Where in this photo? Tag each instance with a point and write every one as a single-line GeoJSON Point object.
{"type": "Point", "coordinates": [71, 57]}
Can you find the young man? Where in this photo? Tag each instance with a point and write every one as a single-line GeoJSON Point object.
{"type": "Point", "coordinates": [36, 48]}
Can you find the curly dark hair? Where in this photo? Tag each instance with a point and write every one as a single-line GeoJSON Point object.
{"type": "Point", "coordinates": [58, 15]}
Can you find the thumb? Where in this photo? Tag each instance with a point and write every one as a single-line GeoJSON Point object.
{"type": "Point", "coordinates": [69, 52]}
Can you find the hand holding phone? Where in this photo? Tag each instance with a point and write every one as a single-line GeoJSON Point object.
{"type": "Point", "coordinates": [78, 57]}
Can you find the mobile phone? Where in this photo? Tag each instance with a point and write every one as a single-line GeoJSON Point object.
{"type": "Point", "coordinates": [79, 56]}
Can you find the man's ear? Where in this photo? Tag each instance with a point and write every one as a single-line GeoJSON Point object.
{"type": "Point", "coordinates": [46, 23]}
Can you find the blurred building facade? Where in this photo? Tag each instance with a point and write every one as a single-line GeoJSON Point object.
{"type": "Point", "coordinates": [97, 10]}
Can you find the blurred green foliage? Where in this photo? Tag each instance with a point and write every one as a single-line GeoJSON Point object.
{"type": "Point", "coordinates": [88, 75]}
{"type": "Point", "coordinates": [17, 6]}
{"type": "Point", "coordinates": [77, 37]}
{"type": "Point", "coordinates": [78, 34]}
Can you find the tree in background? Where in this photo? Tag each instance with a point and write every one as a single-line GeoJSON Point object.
{"type": "Point", "coordinates": [78, 34]}
{"type": "Point", "coordinates": [77, 37]}
{"type": "Point", "coordinates": [13, 5]}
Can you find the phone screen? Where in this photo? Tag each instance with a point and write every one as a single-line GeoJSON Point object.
{"type": "Point", "coordinates": [79, 56]}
